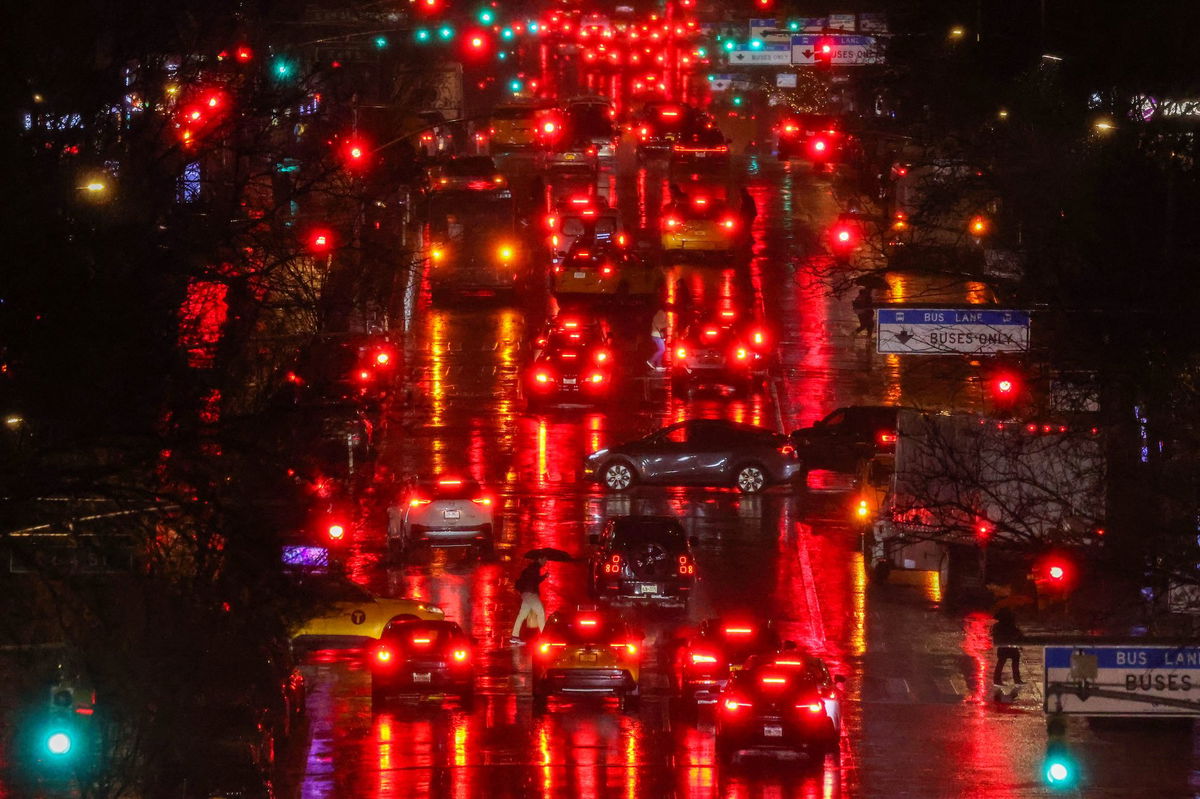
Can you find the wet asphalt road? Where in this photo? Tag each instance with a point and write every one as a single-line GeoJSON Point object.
{"type": "Point", "coordinates": [919, 721]}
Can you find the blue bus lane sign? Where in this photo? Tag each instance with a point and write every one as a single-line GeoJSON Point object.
{"type": "Point", "coordinates": [948, 331]}
{"type": "Point", "coordinates": [1122, 680]}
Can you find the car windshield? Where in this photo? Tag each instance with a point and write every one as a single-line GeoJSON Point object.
{"type": "Point", "coordinates": [470, 167]}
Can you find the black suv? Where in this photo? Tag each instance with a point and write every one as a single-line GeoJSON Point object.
{"type": "Point", "coordinates": [847, 436]}
{"type": "Point", "coordinates": [643, 558]}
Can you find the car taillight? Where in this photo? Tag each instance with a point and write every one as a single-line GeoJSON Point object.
{"type": "Point", "coordinates": [606, 270]}
{"type": "Point", "coordinates": [547, 648]}
{"type": "Point", "coordinates": [681, 352]}
{"type": "Point", "coordinates": [863, 509]}
{"type": "Point", "coordinates": [601, 356]}
{"type": "Point", "coordinates": [382, 359]}
{"type": "Point", "coordinates": [728, 223]}
{"type": "Point", "coordinates": [461, 654]}
{"type": "Point", "coordinates": [630, 648]}
{"type": "Point", "coordinates": [336, 532]}
{"type": "Point", "coordinates": [364, 376]}
{"type": "Point", "coordinates": [702, 659]}
{"type": "Point", "coordinates": [741, 354]}
{"type": "Point", "coordinates": [542, 376]}
{"type": "Point", "coordinates": [885, 437]}
{"type": "Point", "coordinates": [671, 222]}
{"type": "Point", "coordinates": [787, 449]}
{"type": "Point", "coordinates": [595, 378]}
{"type": "Point", "coordinates": [735, 704]}
{"type": "Point", "coordinates": [759, 337]}
{"type": "Point", "coordinates": [482, 500]}
{"type": "Point", "coordinates": [551, 221]}
{"type": "Point", "coordinates": [416, 502]}
{"type": "Point", "coordinates": [810, 707]}
{"type": "Point", "coordinates": [383, 655]}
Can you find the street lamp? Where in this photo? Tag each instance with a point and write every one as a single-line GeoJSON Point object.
{"type": "Point", "coordinates": [957, 32]}
{"type": "Point", "coordinates": [1103, 126]}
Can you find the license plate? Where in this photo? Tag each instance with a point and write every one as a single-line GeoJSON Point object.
{"type": "Point", "coordinates": [773, 731]}
{"type": "Point", "coordinates": [451, 514]}
{"type": "Point", "coordinates": [581, 275]}
{"type": "Point", "coordinates": [569, 381]}
{"type": "Point", "coordinates": [701, 155]}
{"type": "Point", "coordinates": [426, 677]}
{"type": "Point", "coordinates": [569, 156]}
{"type": "Point", "coordinates": [647, 588]}
{"type": "Point", "coordinates": [588, 657]}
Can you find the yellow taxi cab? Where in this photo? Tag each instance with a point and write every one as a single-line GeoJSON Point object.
{"type": "Point", "coordinates": [700, 223]}
{"type": "Point", "coordinates": [517, 126]}
{"type": "Point", "coordinates": [587, 651]}
{"type": "Point", "coordinates": [601, 269]}
{"type": "Point", "coordinates": [352, 616]}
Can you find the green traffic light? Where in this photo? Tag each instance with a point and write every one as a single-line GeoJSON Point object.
{"type": "Point", "coordinates": [446, 32]}
{"type": "Point", "coordinates": [701, 52]}
{"type": "Point", "coordinates": [502, 56]}
{"type": "Point", "coordinates": [756, 44]}
{"type": "Point", "coordinates": [711, 78]}
{"type": "Point", "coordinates": [422, 35]}
{"type": "Point", "coordinates": [515, 86]}
{"type": "Point", "coordinates": [737, 99]}
{"type": "Point", "coordinates": [1059, 769]}
{"type": "Point", "coordinates": [486, 17]}
{"type": "Point", "coordinates": [532, 27]}
{"type": "Point", "coordinates": [58, 743]}
{"type": "Point", "coordinates": [729, 45]}
{"type": "Point", "coordinates": [281, 68]}
{"type": "Point", "coordinates": [507, 34]}
{"type": "Point", "coordinates": [793, 26]}
{"type": "Point", "coordinates": [381, 42]}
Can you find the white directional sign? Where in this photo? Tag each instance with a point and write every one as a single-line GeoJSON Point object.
{"type": "Point", "coordinates": [847, 50]}
{"type": "Point", "coordinates": [760, 26]}
{"type": "Point", "coordinates": [940, 331]}
{"type": "Point", "coordinates": [1120, 680]}
{"type": "Point", "coordinates": [768, 55]}
{"type": "Point", "coordinates": [720, 83]}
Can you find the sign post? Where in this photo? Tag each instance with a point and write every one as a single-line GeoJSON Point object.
{"type": "Point", "coordinates": [944, 331]}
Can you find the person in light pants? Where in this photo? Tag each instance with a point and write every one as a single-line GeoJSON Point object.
{"type": "Point", "coordinates": [532, 611]}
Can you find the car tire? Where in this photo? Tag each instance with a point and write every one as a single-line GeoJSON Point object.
{"type": "Point", "coordinates": [750, 479]}
{"type": "Point", "coordinates": [618, 476]}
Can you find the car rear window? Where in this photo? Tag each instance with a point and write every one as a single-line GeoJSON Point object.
{"type": "Point", "coordinates": [451, 488]}
{"type": "Point", "coordinates": [438, 632]}
{"type": "Point", "coordinates": [631, 532]}
{"type": "Point", "coordinates": [470, 167]}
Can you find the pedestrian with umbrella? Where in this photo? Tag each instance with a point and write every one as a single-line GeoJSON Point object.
{"type": "Point", "coordinates": [528, 585]}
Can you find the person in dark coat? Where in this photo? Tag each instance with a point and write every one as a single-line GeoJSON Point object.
{"type": "Point", "coordinates": [748, 208]}
{"type": "Point", "coordinates": [864, 307]}
{"type": "Point", "coordinates": [1006, 637]}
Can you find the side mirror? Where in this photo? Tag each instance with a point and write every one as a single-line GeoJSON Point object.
{"type": "Point", "coordinates": [693, 541]}
{"type": "Point", "coordinates": [594, 539]}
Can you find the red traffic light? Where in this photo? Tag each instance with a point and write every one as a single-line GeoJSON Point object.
{"type": "Point", "coordinates": [356, 154]}
{"type": "Point", "coordinates": [823, 51]}
{"type": "Point", "coordinates": [843, 237]}
{"type": "Point", "coordinates": [1005, 386]}
{"type": "Point", "coordinates": [336, 532]}
{"type": "Point", "coordinates": [1055, 571]}
{"type": "Point", "coordinates": [243, 54]}
{"type": "Point", "coordinates": [319, 241]}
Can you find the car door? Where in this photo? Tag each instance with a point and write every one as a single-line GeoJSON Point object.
{"type": "Point", "coordinates": [663, 457]}
{"type": "Point", "coordinates": [709, 453]}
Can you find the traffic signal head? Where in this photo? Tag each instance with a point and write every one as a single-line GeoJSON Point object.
{"type": "Point", "coordinates": [1005, 387]}
{"type": "Point", "coordinates": [978, 226]}
{"type": "Point", "coordinates": [59, 743]}
{"type": "Point", "coordinates": [243, 54]}
{"type": "Point", "coordinates": [356, 154]}
{"type": "Point", "coordinates": [319, 241]}
{"type": "Point", "coordinates": [843, 237]}
{"type": "Point", "coordinates": [823, 51]}
{"type": "Point", "coordinates": [282, 68]}
{"type": "Point", "coordinates": [1058, 769]}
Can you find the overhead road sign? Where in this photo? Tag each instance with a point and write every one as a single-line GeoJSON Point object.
{"type": "Point", "coordinates": [850, 51]}
{"type": "Point", "coordinates": [768, 55]}
{"type": "Point", "coordinates": [942, 331]}
{"type": "Point", "coordinates": [1122, 680]}
{"type": "Point", "coordinates": [760, 26]}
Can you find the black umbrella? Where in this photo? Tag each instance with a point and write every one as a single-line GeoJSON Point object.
{"type": "Point", "coordinates": [549, 553]}
{"type": "Point", "coordinates": [871, 280]}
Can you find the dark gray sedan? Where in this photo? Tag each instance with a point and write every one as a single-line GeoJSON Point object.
{"type": "Point", "coordinates": [707, 452]}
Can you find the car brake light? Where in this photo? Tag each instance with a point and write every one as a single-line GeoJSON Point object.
{"type": "Point", "coordinates": [710, 332]}
{"type": "Point", "coordinates": [383, 654]}
{"type": "Point", "coordinates": [337, 532]}
{"type": "Point", "coordinates": [596, 377]}
{"type": "Point", "coordinates": [741, 354]}
{"type": "Point", "coordinates": [681, 352]}
{"type": "Point", "coordinates": [787, 449]}
{"type": "Point", "coordinates": [418, 501]}
{"type": "Point", "coordinates": [733, 705]}
{"type": "Point", "coordinates": [422, 641]}
{"type": "Point", "coordinates": [449, 481]}
{"type": "Point", "coordinates": [482, 500]}
{"type": "Point", "coordinates": [885, 437]}
{"type": "Point", "coordinates": [542, 376]}
{"type": "Point", "coordinates": [700, 657]}
{"type": "Point", "coordinates": [759, 338]}
{"type": "Point", "coordinates": [383, 358]}
{"type": "Point", "coordinates": [460, 654]}
{"type": "Point", "coordinates": [739, 630]}
{"type": "Point", "coordinates": [601, 356]}
{"type": "Point", "coordinates": [728, 222]}
{"type": "Point", "coordinates": [769, 680]}
{"type": "Point", "coordinates": [606, 270]}
{"type": "Point", "coordinates": [364, 375]}
{"type": "Point", "coordinates": [671, 222]}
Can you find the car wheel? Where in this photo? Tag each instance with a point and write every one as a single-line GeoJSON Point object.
{"type": "Point", "coordinates": [751, 479]}
{"type": "Point", "coordinates": [618, 476]}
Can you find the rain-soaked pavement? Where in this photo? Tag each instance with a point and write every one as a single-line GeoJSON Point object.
{"type": "Point", "coordinates": [919, 721]}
